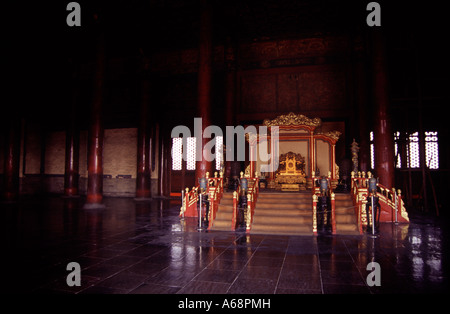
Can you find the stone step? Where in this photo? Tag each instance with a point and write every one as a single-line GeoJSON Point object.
{"type": "Point", "coordinates": [281, 229]}
{"type": "Point", "coordinates": [345, 218]}
{"type": "Point", "coordinates": [282, 211]}
{"type": "Point", "coordinates": [283, 219]}
{"type": "Point", "coordinates": [275, 206]}
{"type": "Point", "coordinates": [284, 196]}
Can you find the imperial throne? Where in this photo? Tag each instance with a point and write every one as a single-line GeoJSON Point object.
{"type": "Point", "coordinates": [290, 175]}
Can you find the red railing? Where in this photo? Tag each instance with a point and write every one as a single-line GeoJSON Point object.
{"type": "Point", "coordinates": [252, 196]}
{"type": "Point", "coordinates": [359, 192]}
{"type": "Point", "coordinates": [392, 208]}
{"type": "Point", "coordinates": [214, 190]}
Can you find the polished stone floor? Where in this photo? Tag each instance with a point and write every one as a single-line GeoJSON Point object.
{"type": "Point", "coordinates": [144, 248]}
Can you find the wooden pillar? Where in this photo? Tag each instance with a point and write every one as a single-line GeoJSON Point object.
{"type": "Point", "coordinates": [164, 167]}
{"type": "Point", "coordinates": [362, 113]}
{"type": "Point", "coordinates": [230, 82]}
{"type": "Point", "coordinates": [143, 179]}
{"type": "Point", "coordinates": [160, 163]}
{"type": "Point", "coordinates": [383, 135]}
{"type": "Point", "coordinates": [230, 94]}
{"type": "Point", "coordinates": [252, 155]}
{"type": "Point", "coordinates": [94, 195]}
{"type": "Point", "coordinates": [204, 84]}
{"type": "Point", "coordinates": [312, 152]}
{"type": "Point", "coordinates": [333, 161]}
{"type": "Point", "coordinates": [11, 161]}
{"type": "Point", "coordinates": [167, 167]}
{"type": "Point", "coordinates": [71, 173]}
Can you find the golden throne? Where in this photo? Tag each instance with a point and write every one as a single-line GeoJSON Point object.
{"type": "Point", "coordinates": [290, 175]}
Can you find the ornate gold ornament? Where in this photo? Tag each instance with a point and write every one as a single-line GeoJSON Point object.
{"type": "Point", "coordinates": [332, 134]}
{"type": "Point", "coordinates": [291, 172]}
{"type": "Point", "coordinates": [293, 119]}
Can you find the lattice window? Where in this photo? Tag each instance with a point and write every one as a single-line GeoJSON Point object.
{"type": "Point", "coordinates": [398, 162]}
{"type": "Point", "coordinates": [413, 151]}
{"type": "Point", "coordinates": [219, 152]}
{"type": "Point", "coordinates": [177, 153]}
{"type": "Point", "coordinates": [372, 151]}
{"type": "Point", "coordinates": [431, 150]}
{"type": "Point", "coordinates": [191, 153]}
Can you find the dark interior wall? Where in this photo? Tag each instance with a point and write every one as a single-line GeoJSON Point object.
{"type": "Point", "coordinates": [298, 56]}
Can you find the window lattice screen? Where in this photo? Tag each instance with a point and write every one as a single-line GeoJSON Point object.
{"type": "Point", "coordinates": [191, 150]}
{"type": "Point", "coordinates": [431, 150]}
{"type": "Point", "coordinates": [177, 153]}
{"type": "Point", "coordinates": [413, 151]}
{"type": "Point", "coordinates": [219, 152]}
{"type": "Point", "coordinates": [398, 161]}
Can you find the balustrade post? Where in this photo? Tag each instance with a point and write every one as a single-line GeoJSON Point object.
{"type": "Point", "coordinates": [364, 218]}
{"type": "Point", "coordinates": [249, 212]}
{"type": "Point", "coordinates": [395, 203]}
{"type": "Point", "coordinates": [235, 205]}
{"type": "Point", "coordinates": [182, 209]}
{"type": "Point", "coordinates": [333, 213]}
{"type": "Point", "coordinates": [400, 201]}
{"type": "Point", "coordinates": [200, 227]}
{"type": "Point", "coordinates": [314, 197]}
{"type": "Point", "coordinates": [360, 215]}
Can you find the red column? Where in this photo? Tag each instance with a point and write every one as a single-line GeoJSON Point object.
{"type": "Point", "coordinates": [11, 162]}
{"type": "Point", "coordinates": [383, 135]}
{"type": "Point", "coordinates": [164, 166]}
{"type": "Point", "coordinates": [362, 113]}
{"type": "Point", "coordinates": [230, 88]}
{"type": "Point", "coordinates": [204, 83]}
{"type": "Point", "coordinates": [71, 173]}
{"type": "Point", "coordinates": [143, 185]}
{"type": "Point", "coordinates": [96, 133]}
{"type": "Point", "coordinates": [230, 82]}
{"type": "Point", "coordinates": [167, 167]}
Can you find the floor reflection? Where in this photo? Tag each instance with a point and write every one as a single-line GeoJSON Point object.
{"type": "Point", "coordinates": [144, 247]}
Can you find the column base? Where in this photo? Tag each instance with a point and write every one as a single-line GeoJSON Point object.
{"type": "Point", "coordinates": [143, 199]}
{"type": "Point", "coordinates": [70, 196]}
{"type": "Point", "coordinates": [94, 206]}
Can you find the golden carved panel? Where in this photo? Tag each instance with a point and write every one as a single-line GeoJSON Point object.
{"type": "Point", "coordinates": [293, 119]}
